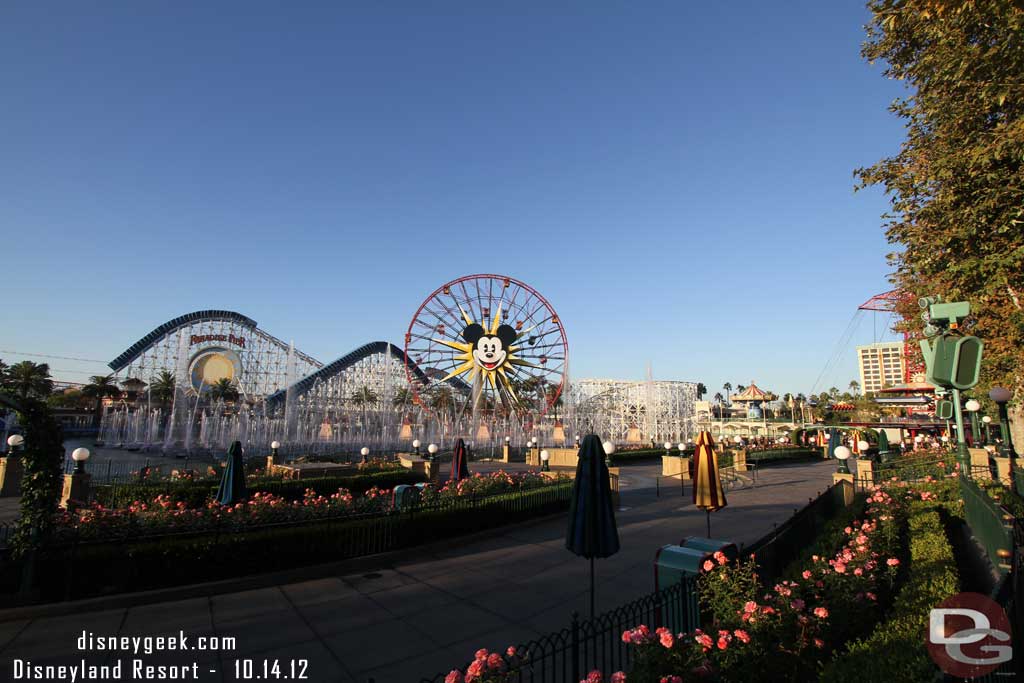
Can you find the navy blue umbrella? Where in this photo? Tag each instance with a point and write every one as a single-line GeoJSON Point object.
{"type": "Point", "coordinates": [592, 532]}
{"type": "Point", "coordinates": [460, 470]}
{"type": "Point", "coordinates": [232, 483]}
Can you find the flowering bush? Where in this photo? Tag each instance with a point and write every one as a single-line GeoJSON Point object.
{"type": "Point", "coordinates": [791, 630]}
{"type": "Point", "coordinates": [493, 483]}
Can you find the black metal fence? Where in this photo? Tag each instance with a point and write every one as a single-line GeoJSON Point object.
{"type": "Point", "coordinates": [566, 656]}
{"type": "Point", "coordinates": [776, 550]}
{"type": "Point", "coordinates": [82, 563]}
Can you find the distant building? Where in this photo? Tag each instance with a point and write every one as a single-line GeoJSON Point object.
{"type": "Point", "coordinates": [881, 365]}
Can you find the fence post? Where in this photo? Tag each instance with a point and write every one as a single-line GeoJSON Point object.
{"type": "Point", "coordinates": [575, 646]}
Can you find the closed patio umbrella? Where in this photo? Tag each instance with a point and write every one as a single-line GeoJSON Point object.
{"type": "Point", "coordinates": [883, 442]}
{"type": "Point", "coordinates": [232, 482]}
{"type": "Point", "coordinates": [592, 531]}
{"type": "Point", "coordinates": [833, 442]}
{"type": "Point", "coordinates": [708, 493]}
{"type": "Point", "coordinates": [460, 470]}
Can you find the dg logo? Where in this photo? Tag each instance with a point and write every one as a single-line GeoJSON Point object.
{"type": "Point", "coordinates": [969, 635]}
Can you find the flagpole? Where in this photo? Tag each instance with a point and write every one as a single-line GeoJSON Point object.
{"type": "Point", "coordinates": [708, 512]}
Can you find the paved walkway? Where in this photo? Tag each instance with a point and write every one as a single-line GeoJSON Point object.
{"type": "Point", "coordinates": [429, 613]}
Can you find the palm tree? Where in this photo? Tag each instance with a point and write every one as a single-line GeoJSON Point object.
{"type": "Point", "coordinates": [99, 388]}
{"type": "Point", "coordinates": [363, 396]}
{"type": "Point", "coordinates": [740, 388]}
{"type": "Point", "coordinates": [27, 379]}
{"type": "Point", "coordinates": [442, 401]}
{"type": "Point", "coordinates": [223, 390]}
{"type": "Point", "coordinates": [402, 397]}
{"type": "Point", "coordinates": [719, 400]}
{"type": "Point", "coordinates": [162, 387]}
{"type": "Point", "coordinates": [728, 387]}
{"type": "Point", "coordinates": [854, 386]}
{"type": "Point", "coordinates": [701, 390]}
{"type": "Point", "coordinates": [833, 392]}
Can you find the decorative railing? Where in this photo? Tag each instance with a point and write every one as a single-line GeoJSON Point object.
{"type": "Point", "coordinates": [990, 524]}
{"type": "Point", "coordinates": [585, 645]}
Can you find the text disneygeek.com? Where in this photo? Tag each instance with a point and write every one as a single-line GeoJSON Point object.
{"type": "Point", "coordinates": [134, 665]}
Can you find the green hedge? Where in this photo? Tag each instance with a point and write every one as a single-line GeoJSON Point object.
{"type": "Point", "coordinates": [197, 493]}
{"type": "Point", "coordinates": [776, 455]}
{"type": "Point", "coordinates": [895, 651]}
{"type": "Point", "coordinates": [642, 454]}
{"type": "Point", "coordinates": [147, 563]}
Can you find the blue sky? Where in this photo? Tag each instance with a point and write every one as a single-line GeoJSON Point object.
{"type": "Point", "coordinates": [676, 178]}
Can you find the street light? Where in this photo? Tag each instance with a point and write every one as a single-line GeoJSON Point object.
{"type": "Point", "coordinates": [984, 431]}
{"type": "Point", "coordinates": [972, 407]}
{"type": "Point", "coordinates": [544, 467]}
{"type": "Point", "coordinates": [842, 454]}
{"type": "Point", "coordinates": [80, 455]}
{"type": "Point", "coordinates": [364, 451]}
{"type": "Point", "coordinates": [416, 446]}
{"type": "Point", "coordinates": [863, 446]}
{"type": "Point", "coordinates": [431, 449]}
{"type": "Point", "coordinates": [609, 449]}
{"type": "Point", "coordinates": [1001, 397]}
{"type": "Point", "coordinates": [14, 441]}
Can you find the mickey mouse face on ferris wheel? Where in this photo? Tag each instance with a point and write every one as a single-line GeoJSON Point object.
{"type": "Point", "coordinates": [489, 351]}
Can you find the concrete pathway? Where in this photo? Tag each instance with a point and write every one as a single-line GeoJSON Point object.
{"type": "Point", "coordinates": [428, 613]}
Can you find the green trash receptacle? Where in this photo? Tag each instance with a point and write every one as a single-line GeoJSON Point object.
{"type": "Point", "coordinates": [711, 545]}
{"type": "Point", "coordinates": [678, 566]}
{"type": "Point", "coordinates": [405, 496]}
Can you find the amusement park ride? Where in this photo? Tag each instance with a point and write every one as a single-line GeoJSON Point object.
{"type": "Point", "coordinates": [485, 357]}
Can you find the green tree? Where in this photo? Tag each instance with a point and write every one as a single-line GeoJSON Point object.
{"type": "Point", "coordinates": [161, 387]}
{"type": "Point", "coordinates": [701, 390]}
{"type": "Point", "coordinates": [41, 482]}
{"type": "Point", "coordinates": [223, 390]}
{"type": "Point", "coordinates": [73, 398]}
{"type": "Point", "coordinates": [402, 397]}
{"type": "Point", "coordinates": [854, 387]}
{"type": "Point", "coordinates": [99, 388]}
{"type": "Point", "coordinates": [29, 380]}
{"type": "Point", "coordinates": [727, 387]}
{"type": "Point", "coordinates": [364, 396]}
{"type": "Point", "coordinates": [956, 184]}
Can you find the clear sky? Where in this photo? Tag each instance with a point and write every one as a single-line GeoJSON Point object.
{"type": "Point", "coordinates": [675, 177]}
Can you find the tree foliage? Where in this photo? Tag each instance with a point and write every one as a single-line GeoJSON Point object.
{"type": "Point", "coordinates": [956, 185]}
{"type": "Point", "coordinates": [41, 482]}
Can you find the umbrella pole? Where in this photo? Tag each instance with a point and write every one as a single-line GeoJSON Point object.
{"type": "Point", "coordinates": [708, 512]}
{"type": "Point", "coordinates": [591, 588]}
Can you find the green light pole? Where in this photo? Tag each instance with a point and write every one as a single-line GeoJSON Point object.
{"type": "Point", "coordinates": [1001, 397]}
{"type": "Point", "coordinates": [972, 407]}
{"type": "Point", "coordinates": [842, 455]}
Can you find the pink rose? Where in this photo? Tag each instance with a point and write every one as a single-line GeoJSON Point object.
{"type": "Point", "coordinates": [840, 568]}
{"type": "Point", "coordinates": [620, 677]}
{"type": "Point", "coordinates": [708, 565]}
{"type": "Point", "coordinates": [821, 612]}
{"type": "Point", "coordinates": [480, 654]}
{"type": "Point", "coordinates": [806, 574]}
{"type": "Point", "coordinates": [454, 677]}
{"type": "Point", "coordinates": [819, 643]}
{"type": "Point", "coordinates": [594, 677]}
{"type": "Point", "coordinates": [892, 562]}
{"type": "Point", "coordinates": [495, 662]}
{"type": "Point", "coordinates": [665, 637]}
{"type": "Point", "coordinates": [742, 635]}
{"type": "Point", "coordinates": [511, 651]}
{"type": "Point", "coordinates": [750, 606]}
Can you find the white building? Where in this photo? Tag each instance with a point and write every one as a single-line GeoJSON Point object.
{"type": "Point", "coordinates": [881, 365]}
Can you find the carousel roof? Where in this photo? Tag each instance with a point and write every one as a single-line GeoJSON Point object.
{"type": "Point", "coordinates": [753, 393]}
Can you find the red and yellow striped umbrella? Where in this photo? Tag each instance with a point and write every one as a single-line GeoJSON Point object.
{"type": "Point", "coordinates": [708, 493]}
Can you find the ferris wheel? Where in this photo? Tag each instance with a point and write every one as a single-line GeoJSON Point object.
{"type": "Point", "coordinates": [486, 344]}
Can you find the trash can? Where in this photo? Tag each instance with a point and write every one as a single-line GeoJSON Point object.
{"type": "Point", "coordinates": [674, 564]}
{"type": "Point", "coordinates": [404, 496]}
{"type": "Point", "coordinates": [711, 545]}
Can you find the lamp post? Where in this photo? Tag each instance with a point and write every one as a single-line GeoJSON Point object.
{"type": "Point", "coordinates": [80, 456]}
{"type": "Point", "coordinates": [544, 466]}
{"type": "Point", "coordinates": [431, 450]}
{"type": "Point", "coordinates": [416, 446]}
{"type": "Point", "coordinates": [986, 420]}
{"type": "Point", "coordinates": [14, 442]}
{"type": "Point", "coordinates": [609, 449]}
{"type": "Point", "coordinates": [842, 455]}
{"type": "Point", "coordinates": [972, 407]}
{"type": "Point", "coordinates": [1001, 397]}
{"type": "Point", "coordinates": [364, 451]}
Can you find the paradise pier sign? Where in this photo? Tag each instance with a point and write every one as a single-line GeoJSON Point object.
{"type": "Point", "coordinates": [228, 338]}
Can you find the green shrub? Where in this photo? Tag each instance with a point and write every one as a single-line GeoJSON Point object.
{"type": "Point", "coordinates": [895, 651]}
{"type": "Point", "coordinates": [196, 493]}
{"type": "Point", "coordinates": [86, 569]}
{"type": "Point", "coordinates": [776, 455]}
